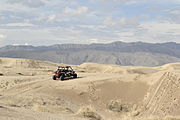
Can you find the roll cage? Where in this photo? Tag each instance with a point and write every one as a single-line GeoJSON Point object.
{"type": "Point", "coordinates": [65, 68]}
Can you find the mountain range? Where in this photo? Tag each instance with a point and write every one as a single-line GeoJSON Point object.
{"type": "Point", "coordinates": [120, 53]}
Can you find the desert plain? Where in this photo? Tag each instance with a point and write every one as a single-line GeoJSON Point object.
{"type": "Point", "coordinates": [101, 92]}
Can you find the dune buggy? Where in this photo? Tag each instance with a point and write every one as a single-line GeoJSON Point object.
{"type": "Point", "coordinates": [63, 73]}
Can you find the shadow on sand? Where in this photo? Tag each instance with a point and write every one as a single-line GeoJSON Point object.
{"type": "Point", "coordinates": [70, 78]}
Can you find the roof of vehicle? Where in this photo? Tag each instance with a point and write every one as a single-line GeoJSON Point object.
{"type": "Point", "coordinates": [64, 66]}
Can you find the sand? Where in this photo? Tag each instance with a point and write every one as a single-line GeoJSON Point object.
{"type": "Point", "coordinates": [108, 92]}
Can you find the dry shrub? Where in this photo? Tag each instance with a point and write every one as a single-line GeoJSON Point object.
{"type": "Point", "coordinates": [19, 73]}
{"type": "Point", "coordinates": [171, 118]}
{"type": "Point", "coordinates": [115, 106]}
{"type": "Point", "coordinates": [127, 108]}
{"type": "Point", "coordinates": [165, 118]}
{"type": "Point", "coordinates": [134, 113]}
{"type": "Point", "coordinates": [118, 106]}
{"type": "Point", "coordinates": [1, 74]}
{"type": "Point", "coordinates": [89, 112]}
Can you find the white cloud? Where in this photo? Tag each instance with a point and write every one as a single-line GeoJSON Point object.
{"type": "Point", "coordinates": [75, 12]}
{"type": "Point", "coordinates": [109, 21]}
{"type": "Point", "coordinates": [2, 36]}
{"type": "Point", "coordinates": [128, 2]}
{"type": "Point", "coordinates": [123, 1]}
{"type": "Point", "coordinates": [19, 25]}
{"type": "Point", "coordinates": [94, 40]}
{"type": "Point", "coordinates": [164, 27]}
{"type": "Point", "coordinates": [72, 20]}
{"type": "Point", "coordinates": [52, 18]}
{"type": "Point", "coordinates": [159, 31]}
{"type": "Point", "coordinates": [173, 15]}
{"type": "Point", "coordinates": [26, 44]}
{"type": "Point", "coordinates": [125, 22]}
{"type": "Point", "coordinates": [22, 36]}
{"type": "Point", "coordinates": [147, 32]}
{"type": "Point", "coordinates": [92, 27]}
{"type": "Point", "coordinates": [28, 3]}
{"type": "Point", "coordinates": [154, 8]}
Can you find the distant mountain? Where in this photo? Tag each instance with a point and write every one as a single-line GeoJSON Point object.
{"type": "Point", "coordinates": [120, 53]}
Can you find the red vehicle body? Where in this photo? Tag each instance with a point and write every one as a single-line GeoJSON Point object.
{"type": "Point", "coordinates": [64, 73]}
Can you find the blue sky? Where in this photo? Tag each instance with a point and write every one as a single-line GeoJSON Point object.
{"type": "Point", "coordinates": [46, 22]}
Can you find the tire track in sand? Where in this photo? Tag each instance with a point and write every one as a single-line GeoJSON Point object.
{"type": "Point", "coordinates": [161, 98]}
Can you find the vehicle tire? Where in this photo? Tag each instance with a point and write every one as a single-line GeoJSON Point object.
{"type": "Point", "coordinates": [62, 77]}
{"type": "Point", "coordinates": [75, 76]}
{"type": "Point", "coordinates": [54, 77]}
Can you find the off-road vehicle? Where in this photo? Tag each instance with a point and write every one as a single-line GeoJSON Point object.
{"type": "Point", "coordinates": [63, 73]}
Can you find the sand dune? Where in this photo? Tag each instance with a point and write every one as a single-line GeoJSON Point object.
{"type": "Point", "coordinates": [108, 92]}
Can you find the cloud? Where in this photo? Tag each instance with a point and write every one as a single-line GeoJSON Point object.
{"type": "Point", "coordinates": [52, 18]}
{"type": "Point", "coordinates": [28, 3]}
{"type": "Point", "coordinates": [162, 27]}
{"type": "Point", "coordinates": [94, 40]}
{"type": "Point", "coordinates": [2, 36]}
{"type": "Point", "coordinates": [173, 14]}
{"type": "Point", "coordinates": [30, 36]}
{"type": "Point", "coordinates": [69, 21]}
{"type": "Point", "coordinates": [131, 2]}
{"type": "Point", "coordinates": [127, 2]}
{"type": "Point", "coordinates": [159, 31]}
{"type": "Point", "coordinates": [122, 22]}
{"type": "Point", "coordinates": [19, 25]}
{"type": "Point", "coordinates": [154, 9]}
{"type": "Point", "coordinates": [109, 21]}
{"type": "Point", "coordinates": [149, 31]}
{"type": "Point", "coordinates": [76, 12]}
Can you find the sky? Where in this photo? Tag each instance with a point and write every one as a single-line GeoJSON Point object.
{"type": "Point", "coordinates": [47, 22]}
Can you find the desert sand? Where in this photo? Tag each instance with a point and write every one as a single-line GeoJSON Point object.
{"type": "Point", "coordinates": [101, 92]}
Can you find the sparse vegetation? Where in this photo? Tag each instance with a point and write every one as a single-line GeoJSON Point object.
{"type": "Point", "coordinates": [171, 118]}
{"type": "Point", "coordinates": [89, 112]}
{"type": "Point", "coordinates": [118, 106]}
{"type": "Point", "coordinates": [165, 118]}
{"type": "Point", "coordinates": [19, 73]}
{"type": "Point", "coordinates": [35, 93]}
{"type": "Point", "coordinates": [0, 61]}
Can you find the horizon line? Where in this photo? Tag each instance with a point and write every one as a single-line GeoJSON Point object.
{"type": "Point", "coordinates": [88, 43]}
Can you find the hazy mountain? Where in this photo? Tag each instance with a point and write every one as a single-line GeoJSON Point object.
{"type": "Point", "coordinates": [121, 53]}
